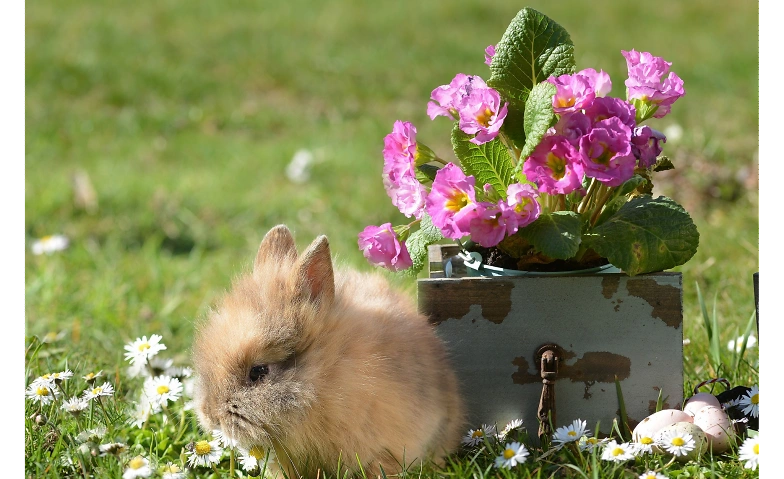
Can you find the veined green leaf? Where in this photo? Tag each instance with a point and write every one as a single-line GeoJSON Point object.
{"type": "Point", "coordinates": [533, 48]}
{"type": "Point", "coordinates": [645, 235]}
{"type": "Point", "coordinates": [489, 162]}
{"type": "Point", "coordinates": [418, 242]}
{"type": "Point", "coordinates": [556, 235]}
{"type": "Point", "coordinates": [539, 116]}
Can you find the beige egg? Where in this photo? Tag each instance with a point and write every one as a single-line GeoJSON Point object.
{"type": "Point", "coordinates": [716, 425]}
{"type": "Point", "coordinates": [699, 401]}
{"type": "Point", "coordinates": [697, 434]}
{"type": "Point", "coordinates": [649, 426]}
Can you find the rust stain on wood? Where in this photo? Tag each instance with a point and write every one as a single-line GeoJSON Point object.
{"type": "Point", "coordinates": [593, 367]}
{"type": "Point", "coordinates": [441, 301]}
{"type": "Point", "coordinates": [665, 299]}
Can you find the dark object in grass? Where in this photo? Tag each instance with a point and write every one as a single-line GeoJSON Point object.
{"type": "Point", "coordinates": [735, 412]}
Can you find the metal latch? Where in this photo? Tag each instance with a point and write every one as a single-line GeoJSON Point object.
{"type": "Point", "coordinates": [547, 357]}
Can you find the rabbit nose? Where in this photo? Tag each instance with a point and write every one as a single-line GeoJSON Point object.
{"type": "Point", "coordinates": [258, 372]}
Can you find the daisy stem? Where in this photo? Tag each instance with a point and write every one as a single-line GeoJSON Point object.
{"type": "Point", "coordinates": [181, 429]}
{"type": "Point", "coordinates": [231, 463]}
{"type": "Point", "coordinates": [100, 403]}
{"type": "Point", "coordinates": [90, 421]}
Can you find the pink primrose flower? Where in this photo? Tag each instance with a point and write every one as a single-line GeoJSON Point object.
{"type": "Point", "coordinates": [407, 194]}
{"type": "Point", "coordinates": [482, 113]}
{"type": "Point", "coordinates": [604, 108]}
{"type": "Point", "coordinates": [521, 199]}
{"type": "Point", "coordinates": [555, 166]}
{"type": "Point", "coordinates": [571, 126]}
{"type": "Point", "coordinates": [607, 152]}
{"type": "Point", "coordinates": [647, 81]}
{"type": "Point", "coordinates": [381, 247]}
{"type": "Point", "coordinates": [489, 54]}
{"type": "Point", "coordinates": [645, 145]}
{"type": "Point", "coordinates": [491, 223]}
{"type": "Point", "coordinates": [399, 151]}
{"type": "Point", "coordinates": [573, 93]}
{"type": "Point", "coordinates": [448, 99]}
{"type": "Point", "coordinates": [451, 203]}
{"type": "Point", "coordinates": [599, 80]}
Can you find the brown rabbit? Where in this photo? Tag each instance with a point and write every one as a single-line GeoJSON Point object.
{"type": "Point", "coordinates": [325, 367]}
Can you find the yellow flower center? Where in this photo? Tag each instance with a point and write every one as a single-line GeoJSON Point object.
{"type": "Point", "coordinates": [605, 157]}
{"type": "Point", "coordinates": [556, 165]}
{"type": "Point", "coordinates": [136, 463]}
{"type": "Point", "coordinates": [257, 452]}
{"type": "Point", "coordinates": [46, 376]}
{"type": "Point", "coordinates": [564, 102]}
{"type": "Point", "coordinates": [144, 346]}
{"type": "Point", "coordinates": [97, 391]}
{"type": "Point", "coordinates": [478, 433]}
{"type": "Point", "coordinates": [484, 117]}
{"type": "Point", "coordinates": [755, 399]}
{"type": "Point", "coordinates": [89, 376]}
{"type": "Point", "coordinates": [646, 440]}
{"type": "Point", "coordinates": [571, 433]}
{"type": "Point", "coordinates": [42, 391]}
{"type": "Point", "coordinates": [457, 202]}
{"type": "Point", "coordinates": [509, 453]}
{"type": "Point", "coordinates": [617, 451]}
{"type": "Point", "coordinates": [202, 448]}
{"type": "Point", "coordinates": [520, 207]}
{"type": "Point", "coordinates": [677, 441]}
{"type": "Point", "coordinates": [592, 440]}
{"type": "Point", "coordinates": [162, 389]}
{"type": "Point", "coordinates": [46, 239]}
{"type": "Point", "coordinates": [173, 468]}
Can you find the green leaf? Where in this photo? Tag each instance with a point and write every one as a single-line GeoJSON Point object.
{"type": "Point", "coordinates": [531, 50]}
{"type": "Point", "coordinates": [645, 235]}
{"type": "Point", "coordinates": [514, 126]}
{"type": "Point", "coordinates": [663, 163]}
{"type": "Point", "coordinates": [418, 242]}
{"type": "Point", "coordinates": [556, 235]}
{"type": "Point", "coordinates": [539, 116]}
{"type": "Point", "coordinates": [426, 173]}
{"type": "Point", "coordinates": [489, 162]}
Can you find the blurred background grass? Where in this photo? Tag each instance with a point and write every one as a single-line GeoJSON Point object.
{"type": "Point", "coordinates": [184, 116]}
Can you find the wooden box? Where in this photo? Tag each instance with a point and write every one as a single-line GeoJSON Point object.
{"type": "Point", "coordinates": [608, 326]}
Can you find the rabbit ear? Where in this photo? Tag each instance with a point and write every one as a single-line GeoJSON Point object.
{"type": "Point", "coordinates": [278, 245]}
{"type": "Point", "coordinates": [314, 277]}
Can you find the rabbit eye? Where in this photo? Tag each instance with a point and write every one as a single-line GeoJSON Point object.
{"type": "Point", "coordinates": [258, 372]}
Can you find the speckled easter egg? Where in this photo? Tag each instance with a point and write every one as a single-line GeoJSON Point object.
{"type": "Point", "coordinates": [699, 401]}
{"type": "Point", "coordinates": [715, 423]}
{"type": "Point", "coordinates": [649, 426]}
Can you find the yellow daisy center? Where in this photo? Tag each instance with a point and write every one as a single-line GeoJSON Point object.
{"type": "Point", "coordinates": [756, 449]}
{"type": "Point", "coordinates": [646, 440]}
{"type": "Point", "coordinates": [755, 399]}
{"type": "Point", "coordinates": [136, 463]}
{"type": "Point", "coordinates": [478, 433]}
{"type": "Point", "coordinates": [571, 433]}
{"type": "Point", "coordinates": [592, 440]}
{"type": "Point", "coordinates": [202, 448]}
{"type": "Point", "coordinates": [46, 239]}
{"type": "Point", "coordinates": [144, 346]}
{"type": "Point", "coordinates": [42, 391]}
{"type": "Point", "coordinates": [46, 376]}
{"type": "Point", "coordinates": [677, 441]}
{"type": "Point", "coordinates": [257, 452]}
{"type": "Point", "coordinates": [509, 453]}
{"type": "Point", "coordinates": [97, 390]}
{"type": "Point", "coordinates": [162, 389]}
{"type": "Point", "coordinates": [171, 468]}
{"type": "Point", "coordinates": [617, 451]}
{"type": "Point", "coordinates": [89, 376]}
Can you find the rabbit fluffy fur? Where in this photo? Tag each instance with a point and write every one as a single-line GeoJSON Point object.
{"type": "Point", "coordinates": [324, 366]}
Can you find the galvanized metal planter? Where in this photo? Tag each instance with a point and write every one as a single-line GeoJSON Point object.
{"type": "Point", "coordinates": [599, 327]}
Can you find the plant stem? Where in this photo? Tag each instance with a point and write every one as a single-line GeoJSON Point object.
{"type": "Point", "coordinates": [587, 197]}
{"type": "Point", "coordinates": [600, 204]}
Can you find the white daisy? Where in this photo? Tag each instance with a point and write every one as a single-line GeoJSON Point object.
{"type": "Point", "coordinates": [104, 390]}
{"type": "Point", "coordinates": [653, 475]}
{"type": "Point", "coordinates": [91, 435]}
{"type": "Point", "coordinates": [253, 458]}
{"type": "Point", "coordinates": [141, 350]}
{"type": "Point", "coordinates": [571, 433]}
{"type": "Point", "coordinates": [162, 389]}
{"type": "Point", "coordinates": [225, 441]}
{"type": "Point", "coordinates": [618, 452]}
{"type": "Point", "coordinates": [141, 413]}
{"type": "Point", "coordinates": [137, 467]}
{"type": "Point", "coordinates": [749, 452]}
{"type": "Point", "coordinates": [477, 436]}
{"type": "Point", "coordinates": [114, 448]}
{"type": "Point", "coordinates": [204, 453]}
{"type": "Point", "coordinates": [179, 372]}
{"type": "Point", "coordinates": [45, 380]}
{"type": "Point", "coordinates": [735, 344]}
{"type": "Point", "coordinates": [75, 405]}
{"type": "Point", "coordinates": [586, 443]}
{"type": "Point", "coordinates": [92, 377]}
{"type": "Point", "coordinates": [49, 244]}
{"type": "Point", "coordinates": [62, 376]}
{"type": "Point", "coordinates": [173, 471]}
{"type": "Point", "coordinates": [41, 393]}
{"type": "Point", "coordinates": [644, 445]}
{"type": "Point", "coordinates": [511, 426]}
{"type": "Point", "coordinates": [675, 442]}
{"type": "Point", "coordinates": [750, 402]}
{"type": "Point", "coordinates": [513, 454]}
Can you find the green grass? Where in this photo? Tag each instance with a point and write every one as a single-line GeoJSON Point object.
{"type": "Point", "coordinates": [185, 114]}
